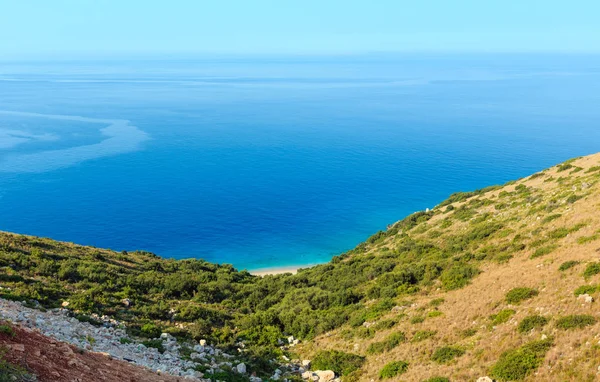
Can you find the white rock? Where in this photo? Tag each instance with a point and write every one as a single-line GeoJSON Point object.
{"type": "Point", "coordinates": [325, 375]}
{"type": "Point", "coordinates": [484, 379]}
{"type": "Point", "coordinates": [241, 368]}
{"type": "Point", "coordinates": [306, 363]}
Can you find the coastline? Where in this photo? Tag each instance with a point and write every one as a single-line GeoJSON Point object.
{"type": "Point", "coordinates": [293, 269]}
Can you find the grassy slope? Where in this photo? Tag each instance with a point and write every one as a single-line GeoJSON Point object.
{"type": "Point", "coordinates": [539, 217]}
{"type": "Point", "coordinates": [470, 255]}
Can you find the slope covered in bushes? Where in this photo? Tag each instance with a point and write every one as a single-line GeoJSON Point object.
{"type": "Point", "coordinates": [404, 294]}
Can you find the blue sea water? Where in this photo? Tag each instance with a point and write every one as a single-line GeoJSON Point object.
{"type": "Point", "coordinates": [275, 161]}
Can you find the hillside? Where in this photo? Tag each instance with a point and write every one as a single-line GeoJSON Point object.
{"type": "Point", "coordinates": [488, 283]}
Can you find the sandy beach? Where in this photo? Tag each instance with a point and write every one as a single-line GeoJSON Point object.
{"type": "Point", "coordinates": [278, 270]}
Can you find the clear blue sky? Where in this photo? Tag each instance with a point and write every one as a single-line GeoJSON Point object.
{"type": "Point", "coordinates": [97, 27]}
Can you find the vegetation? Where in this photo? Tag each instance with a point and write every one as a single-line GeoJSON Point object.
{"type": "Point", "coordinates": [531, 322]}
{"type": "Point", "coordinates": [502, 316]}
{"type": "Point", "coordinates": [393, 286]}
{"type": "Point", "coordinates": [388, 344]}
{"type": "Point", "coordinates": [592, 269]}
{"type": "Point", "coordinates": [339, 362]}
{"type": "Point", "coordinates": [567, 265]}
{"type": "Point", "coordinates": [393, 369]}
{"type": "Point", "coordinates": [586, 289]}
{"type": "Point", "coordinates": [446, 354]}
{"type": "Point", "coordinates": [517, 364]}
{"type": "Point", "coordinates": [576, 321]}
{"type": "Point", "coordinates": [422, 335]}
{"type": "Point", "coordinates": [516, 295]}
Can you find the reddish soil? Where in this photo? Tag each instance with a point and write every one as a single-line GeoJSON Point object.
{"type": "Point", "coordinates": [52, 360]}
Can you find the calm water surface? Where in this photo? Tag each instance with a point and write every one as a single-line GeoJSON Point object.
{"type": "Point", "coordinates": [274, 161]}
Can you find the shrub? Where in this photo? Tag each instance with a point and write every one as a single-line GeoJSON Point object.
{"type": "Point", "coordinates": [568, 265]}
{"type": "Point", "coordinates": [436, 302]}
{"type": "Point", "coordinates": [437, 379]}
{"type": "Point", "coordinates": [468, 332]}
{"type": "Point", "coordinates": [8, 330]}
{"type": "Point", "coordinates": [587, 239]}
{"type": "Point", "coordinates": [434, 313]}
{"type": "Point", "coordinates": [393, 369]}
{"type": "Point", "coordinates": [502, 316]}
{"type": "Point", "coordinates": [591, 270]}
{"type": "Point", "coordinates": [157, 344]}
{"type": "Point", "coordinates": [388, 344]}
{"type": "Point", "coordinates": [543, 251]}
{"type": "Point", "coordinates": [517, 364]}
{"type": "Point", "coordinates": [417, 319]}
{"type": "Point", "coordinates": [423, 335]}
{"type": "Point", "coordinates": [384, 324]}
{"type": "Point", "coordinates": [586, 289]}
{"type": "Point", "coordinates": [339, 362]}
{"type": "Point", "coordinates": [447, 354]}
{"type": "Point", "coordinates": [516, 295]}
{"type": "Point", "coordinates": [575, 321]}
{"type": "Point", "coordinates": [549, 218]}
{"type": "Point", "coordinates": [531, 322]}
{"type": "Point", "coordinates": [458, 276]}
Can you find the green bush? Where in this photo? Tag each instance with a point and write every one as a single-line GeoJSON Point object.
{"type": "Point", "coordinates": [434, 313]}
{"type": "Point", "coordinates": [393, 369]}
{"type": "Point", "coordinates": [157, 344]}
{"type": "Point", "coordinates": [8, 330]}
{"type": "Point", "coordinates": [517, 364]}
{"type": "Point", "coordinates": [422, 335]}
{"type": "Point", "coordinates": [543, 251]}
{"type": "Point", "coordinates": [388, 344]}
{"type": "Point", "coordinates": [437, 379]}
{"type": "Point", "coordinates": [417, 319]}
{"type": "Point", "coordinates": [586, 289]}
{"type": "Point", "coordinates": [447, 354]}
{"type": "Point", "coordinates": [568, 265]}
{"type": "Point", "coordinates": [502, 316]}
{"type": "Point", "coordinates": [531, 322]}
{"type": "Point", "coordinates": [516, 295]}
{"type": "Point", "coordinates": [468, 332]}
{"type": "Point", "coordinates": [591, 270]}
{"type": "Point", "coordinates": [436, 302]}
{"type": "Point", "coordinates": [576, 321]}
{"type": "Point", "coordinates": [549, 218]}
{"type": "Point", "coordinates": [339, 362]}
{"type": "Point", "coordinates": [458, 276]}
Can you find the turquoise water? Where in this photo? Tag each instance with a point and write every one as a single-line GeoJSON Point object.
{"type": "Point", "coordinates": [274, 161]}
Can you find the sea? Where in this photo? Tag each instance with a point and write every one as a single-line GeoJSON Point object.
{"type": "Point", "coordinates": [274, 161]}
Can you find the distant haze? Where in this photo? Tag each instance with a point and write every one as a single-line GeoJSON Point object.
{"type": "Point", "coordinates": [79, 28]}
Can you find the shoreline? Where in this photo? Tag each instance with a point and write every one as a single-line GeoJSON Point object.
{"type": "Point", "coordinates": [293, 269]}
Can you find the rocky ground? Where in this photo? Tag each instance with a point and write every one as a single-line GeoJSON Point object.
{"type": "Point", "coordinates": [112, 341]}
{"type": "Point", "coordinates": [57, 347]}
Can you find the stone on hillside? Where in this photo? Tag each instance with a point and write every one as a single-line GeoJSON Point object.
{"type": "Point", "coordinates": [307, 375]}
{"type": "Point", "coordinates": [586, 298]}
{"type": "Point", "coordinates": [484, 379]}
{"type": "Point", "coordinates": [306, 363]}
{"type": "Point", "coordinates": [64, 304]}
{"type": "Point", "coordinates": [241, 368]}
{"type": "Point", "coordinates": [202, 342]}
{"type": "Point", "coordinates": [325, 375]}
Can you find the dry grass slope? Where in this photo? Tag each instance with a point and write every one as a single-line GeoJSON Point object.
{"type": "Point", "coordinates": [541, 233]}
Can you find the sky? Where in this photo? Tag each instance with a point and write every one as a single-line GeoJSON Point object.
{"type": "Point", "coordinates": [30, 28]}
